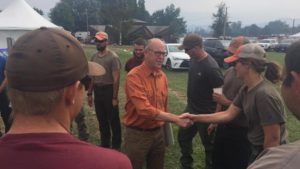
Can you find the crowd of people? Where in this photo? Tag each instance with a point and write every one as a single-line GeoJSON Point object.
{"type": "Point", "coordinates": [239, 116]}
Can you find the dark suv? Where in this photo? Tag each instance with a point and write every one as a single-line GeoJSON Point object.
{"type": "Point", "coordinates": [216, 49]}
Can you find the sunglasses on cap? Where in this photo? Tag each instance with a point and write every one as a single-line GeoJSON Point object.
{"type": "Point", "coordinates": [86, 82]}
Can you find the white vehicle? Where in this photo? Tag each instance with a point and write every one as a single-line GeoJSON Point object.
{"type": "Point", "coordinates": [176, 59]}
{"type": "Point", "coordinates": [268, 44]}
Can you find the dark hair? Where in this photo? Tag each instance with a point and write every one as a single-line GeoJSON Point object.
{"type": "Point", "coordinates": [292, 62]}
{"type": "Point", "coordinates": [272, 70]}
{"type": "Point", "coordinates": [140, 41]}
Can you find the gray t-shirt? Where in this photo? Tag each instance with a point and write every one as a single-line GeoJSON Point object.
{"type": "Point", "coordinates": [262, 106]}
{"type": "Point", "coordinates": [110, 62]}
{"type": "Point", "coordinates": [280, 157]}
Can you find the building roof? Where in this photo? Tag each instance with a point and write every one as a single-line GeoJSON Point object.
{"type": "Point", "coordinates": [98, 27]}
{"type": "Point", "coordinates": [157, 29]}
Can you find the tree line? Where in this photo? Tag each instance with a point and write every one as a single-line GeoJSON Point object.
{"type": "Point", "coordinates": [222, 26]}
{"type": "Point", "coordinates": [76, 15]}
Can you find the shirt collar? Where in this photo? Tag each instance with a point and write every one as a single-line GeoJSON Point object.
{"type": "Point", "coordinates": [147, 71]}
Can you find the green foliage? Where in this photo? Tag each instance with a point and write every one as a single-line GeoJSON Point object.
{"type": "Point", "coordinates": [171, 17]}
{"type": "Point", "coordinates": [75, 15]}
{"type": "Point", "coordinates": [275, 27]}
{"type": "Point", "coordinates": [63, 15]}
{"type": "Point", "coordinates": [220, 20]}
{"type": "Point", "coordinates": [38, 11]}
{"type": "Point", "coordinates": [141, 12]}
{"type": "Point", "coordinates": [272, 28]}
{"type": "Point", "coordinates": [252, 30]}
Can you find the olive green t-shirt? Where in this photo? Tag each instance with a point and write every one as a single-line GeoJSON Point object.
{"type": "Point", "coordinates": [110, 62]}
{"type": "Point", "coordinates": [262, 106]}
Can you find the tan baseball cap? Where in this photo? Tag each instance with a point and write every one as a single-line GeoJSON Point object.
{"type": "Point", "coordinates": [47, 59]}
{"type": "Point", "coordinates": [250, 50]}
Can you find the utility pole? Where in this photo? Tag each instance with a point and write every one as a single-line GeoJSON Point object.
{"type": "Point", "coordinates": [120, 38]}
{"type": "Point", "coordinates": [293, 26]}
{"type": "Point", "coordinates": [87, 22]}
{"type": "Point", "coordinates": [225, 23]}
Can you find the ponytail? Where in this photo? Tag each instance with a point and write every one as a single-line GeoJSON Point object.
{"type": "Point", "coordinates": [273, 72]}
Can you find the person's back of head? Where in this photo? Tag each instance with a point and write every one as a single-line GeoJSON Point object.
{"type": "Point", "coordinates": [291, 79]}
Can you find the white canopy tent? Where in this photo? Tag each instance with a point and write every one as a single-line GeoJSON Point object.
{"type": "Point", "coordinates": [18, 18]}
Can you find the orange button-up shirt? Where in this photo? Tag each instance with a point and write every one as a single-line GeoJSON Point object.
{"type": "Point", "coordinates": [147, 95]}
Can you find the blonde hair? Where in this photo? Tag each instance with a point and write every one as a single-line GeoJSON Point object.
{"type": "Point", "coordinates": [34, 103]}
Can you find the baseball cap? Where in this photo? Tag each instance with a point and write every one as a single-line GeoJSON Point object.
{"type": "Point", "coordinates": [246, 51]}
{"type": "Point", "coordinates": [101, 36]}
{"type": "Point", "coordinates": [47, 59]}
{"type": "Point", "coordinates": [236, 43]}
{"type": "Point", "coordinates": [190, 41]}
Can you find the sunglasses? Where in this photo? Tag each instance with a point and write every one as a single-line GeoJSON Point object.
{"type": "Point", "coordinates": [100, 41]}
{"type": "Point", "coordinates": [243, 61]}
{"type": "Point", "coordinates": [186, 50]}
{"type": "Point", "coordinates": [86, 82]}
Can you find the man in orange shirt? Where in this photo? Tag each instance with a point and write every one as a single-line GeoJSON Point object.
{"type": "Point", "coordinates": [146, 110]}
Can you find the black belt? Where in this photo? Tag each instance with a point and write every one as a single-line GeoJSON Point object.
{"type": "Point", "coordinates": [141, 129]}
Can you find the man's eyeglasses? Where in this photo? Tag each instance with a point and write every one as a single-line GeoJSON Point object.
{"type": "Point", "coordinates": [159, 53]}
{"type": "Point", "coordinates": [86, 81]}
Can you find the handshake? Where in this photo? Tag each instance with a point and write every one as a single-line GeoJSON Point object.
{"type": "Point", "coordinates": [185, 120]}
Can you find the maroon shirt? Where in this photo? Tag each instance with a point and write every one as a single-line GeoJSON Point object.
{"type": "Point", "coordinates": [133, 62]}
{"type": "Point", "coordinates": [55, 151]}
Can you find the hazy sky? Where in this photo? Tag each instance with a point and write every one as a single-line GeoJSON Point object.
{"type": "Point", "coordinates": [199, 12]}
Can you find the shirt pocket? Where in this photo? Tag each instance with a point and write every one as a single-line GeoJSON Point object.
{"type": "Point", "coordinates": [162, 99]}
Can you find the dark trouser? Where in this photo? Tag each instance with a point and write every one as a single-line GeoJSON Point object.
{"type": "Point", "coordinates": [255, 151]}
{"type": "Point", "coordinates": [108, 117]}
{"type": "Point", "coordinates": [185, 138]}
{"type": "Point", "coordinates": [5, 110]}
{"type": "Point", "coordinates": [145, 148]}
{"type": "Point", "coordinates": [81, 126]}
{"type": "Point", "coordinates": [232, 148]}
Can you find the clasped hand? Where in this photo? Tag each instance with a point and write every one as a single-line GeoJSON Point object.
{"type": "Point", "coordinates": [184, 122]}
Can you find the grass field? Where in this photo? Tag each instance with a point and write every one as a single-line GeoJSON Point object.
{"type": "Point", "coordinates": [177, 101]}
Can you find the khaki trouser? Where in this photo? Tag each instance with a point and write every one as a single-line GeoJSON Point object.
{"type": "Point", "coordinates": [145, 146]}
